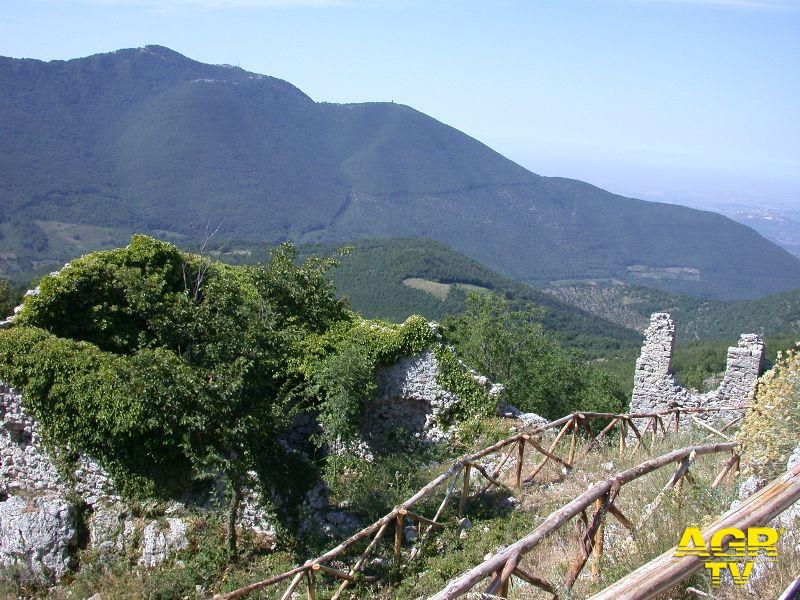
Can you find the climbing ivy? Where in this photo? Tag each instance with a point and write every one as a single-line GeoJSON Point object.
{"type": "Point", "coordinates": [341, 365]}
{"type": "Point", "coordinates": [474, 399]}
{"type": "Point", "coordinates": [168, 367]}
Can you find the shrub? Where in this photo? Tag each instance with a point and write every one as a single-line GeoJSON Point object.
{"type": "Point", "coordinates": [769, 430]}
{"type": "Point", "coordinates": [165, 365]}
{"type": "Point", "coordinates": [510, 347]}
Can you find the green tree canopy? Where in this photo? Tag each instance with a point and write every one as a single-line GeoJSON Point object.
{"type": "Point", "coordinates": [10, 297]}
{"type": "Point", "coordinates": [510, 347]}
{"type": "Point", "coordinates": [160, 363]}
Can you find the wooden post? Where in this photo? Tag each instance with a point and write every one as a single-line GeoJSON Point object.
{"type": "Point", "coordinates": [398, 533]}
{"type": "Point", "coordinates": [312, 586]}
{"type": "Point", "coordinates": [520, 459]}
{"type": "Point", "coordinates": [734, 472]}
{"type": "Point", "coordinates": [537, 582]}
{"type": "Point", "coordinates": [683, 465]}
{"type": "Point", "coordinates": [504, 588]}
{"type": "Point", "coordinates": [597, 553]}
{"type": "Point", "coordinates": [623, 433]}
{"type": "Point", "coordinates": [595, 441]}
{"type": "Point", "coordinates": [679, 484]}
{"type": "Point", "coordinates": [665, 572]}
{"type": "Point", "coordinates": [573, 442]}
{"type": "Point", "coordinates": [293, 585]}
{"type": "Point", "coordinates": [360, 562]}
{"type": "Point", "coordinates": [619, 516]}
{"type": "Point", "coordinates": [724, 471]}
{"type": "Point", "coordinates": [640, 441]}
{"type": "Point", "coordinates": [677, 420]}
{"type": "Point", "coordinates": [543, 462]}
{"type": "Point", "coordinates": [462, 503]}
{"type": "Point", "coordinates": [463, 583]}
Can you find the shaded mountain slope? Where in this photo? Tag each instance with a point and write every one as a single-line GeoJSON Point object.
{"type": "Point", "coordinates": [372, 276]}
{"type": "Point", "coordinates": [696, 319]}
{"type": "Point", "coordinates": [148, 140]}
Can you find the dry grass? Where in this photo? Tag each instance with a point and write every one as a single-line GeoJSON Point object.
{"type": "Point", "coordinates": [697, 505]}
{"type": "Point", "coordinates": [440, 290]}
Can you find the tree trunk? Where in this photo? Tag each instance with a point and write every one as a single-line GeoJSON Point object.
{"type": "Point", "coordinates": [234, 510]}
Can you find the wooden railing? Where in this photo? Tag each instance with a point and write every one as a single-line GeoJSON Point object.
{"type": "Point", "coordinates": [602, 495]}
{"type": "Point", "coordinates": [463, 469]}
{"type": "Point", "coordinates": [666, 571]}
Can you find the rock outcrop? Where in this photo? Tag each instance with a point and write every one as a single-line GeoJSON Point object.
{"type": "Point", "coordinates": [655, 387]}
{"type": "Point", "coordinates": [44, 509]}
{"type": "Point", "coordinates": [38, 536]}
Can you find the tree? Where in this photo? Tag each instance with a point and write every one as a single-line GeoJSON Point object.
{"type": "Point", "coordinates": [510, 347]}
{"type": "Point", "coordinates": [10, 297]}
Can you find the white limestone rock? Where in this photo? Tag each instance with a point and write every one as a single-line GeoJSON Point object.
{"type": "Point", "coordinates": [409, 397]}
{"type": "Point", "coordinates": [161, 541]}
{"type": "Point", "coordinates": [38, 534]}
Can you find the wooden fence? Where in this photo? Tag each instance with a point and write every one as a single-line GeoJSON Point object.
{"type": "Point", "coordinates": [666, 571]}
{"type": "Point", "coordinates": [463, 470]}
{"type": "Point", "coordinates": [602, 495]}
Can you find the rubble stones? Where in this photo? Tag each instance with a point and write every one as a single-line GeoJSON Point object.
{"type": "Point", "coordinates": [26, 466]}
{"type": "Point", "coordinates": [409, 398]}
{"type": "Point", "coordinates": [160, 541]}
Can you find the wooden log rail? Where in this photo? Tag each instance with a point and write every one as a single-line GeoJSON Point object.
{"type": "Point", "coordinates": [463, 469]}
{"type": "Point", "coordinates": [505, 563]}
{"type": "Point", "coordinates": [666, 571]}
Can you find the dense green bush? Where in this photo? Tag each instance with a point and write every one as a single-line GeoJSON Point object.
{"type": "Point", "coordinates": [169, 367]}
{"type": "Point", "coordinates": [510, 347]}
{"type": "Point", "coordinates": [156, 361]}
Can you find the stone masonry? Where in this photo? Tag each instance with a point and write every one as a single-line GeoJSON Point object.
{"type": "Point", "coordinates": [655, 387]}
{"type": "Point", "coordinates": [40, 531]}
{"type": "Point", "coordinates": [409, 397]}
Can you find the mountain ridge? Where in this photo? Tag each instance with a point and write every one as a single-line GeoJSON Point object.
{"type": "Point", "coordinates": [149, 140]}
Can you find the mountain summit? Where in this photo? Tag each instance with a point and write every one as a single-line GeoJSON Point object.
{"type": "Point", "coordinates": [146, 139]}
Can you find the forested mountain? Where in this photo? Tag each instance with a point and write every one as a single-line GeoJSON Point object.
{"type": "Point", "coordinates": [148, 140]}
{"type": "Point", "coordinates": [394, 279]}
{"type": "Point", "coordinates": [696, 319]}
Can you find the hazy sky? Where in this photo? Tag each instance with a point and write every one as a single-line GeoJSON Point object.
{"type": "Point", "coordinates": [656, 98]}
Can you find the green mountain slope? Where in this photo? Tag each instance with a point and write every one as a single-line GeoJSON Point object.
{"type": "Point", "coordinates": [372, 276]}
{"type": "Point", "coordinates": [695, 319]}
{"type": "Point", "coordinates": [148, 140]}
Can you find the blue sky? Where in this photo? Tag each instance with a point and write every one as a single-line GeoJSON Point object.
{"type": "Point", "coordinates": [667, 99]}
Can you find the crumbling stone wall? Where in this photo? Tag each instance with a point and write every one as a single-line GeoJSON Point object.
{"type": "Point", "coordinates": [39, 505]}
{"type": "Point", "coordinates": [655, 387]}
{"type": "Point", "coordinates": [410, 398]}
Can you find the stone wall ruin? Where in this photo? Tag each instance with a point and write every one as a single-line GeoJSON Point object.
{"type": "Point", "coordinates": [655, 388]}
{"type": "Point", "coordinates": [47, 514]}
